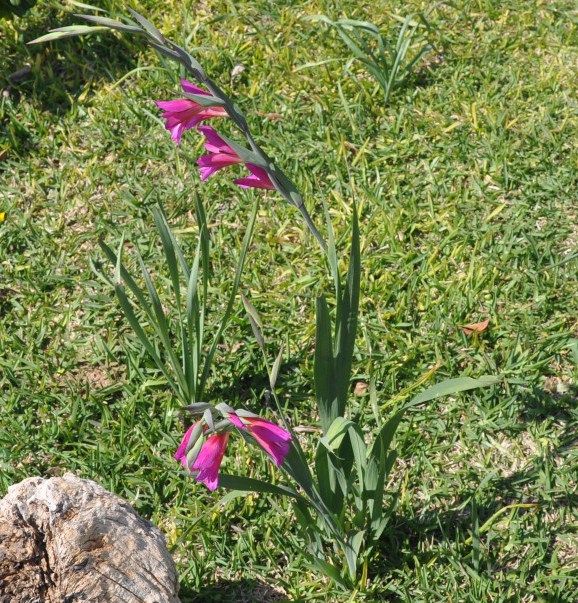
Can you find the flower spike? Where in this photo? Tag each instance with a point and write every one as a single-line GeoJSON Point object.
{"type": "Point", "coordinates": [184, 113]}
{"type": "Point", "coordinates": [222, 155]}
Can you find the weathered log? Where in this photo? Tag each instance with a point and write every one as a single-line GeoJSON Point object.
{"type": "Point", "coordinates": [67, 539]}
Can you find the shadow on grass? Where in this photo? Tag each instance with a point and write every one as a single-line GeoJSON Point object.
{"type": "Point", "coordinates": [249, 382]}
{"type": "Point", "coordinates": [234, 591]}
{"type": "Point", "coordinates": [417, 542]}
{"type": "Point", "coordinates": [540, 404]}
{"type": "Point", "coordinates": [50, 77]}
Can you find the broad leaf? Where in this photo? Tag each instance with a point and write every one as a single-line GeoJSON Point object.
{"type": "Point", "coordinates": [67, 32]}
{"type": "Point", "coordinates": [111, 23]}
{"type": "Point", "coordinates": [248, 484]}
{"type": "Point", "coordinates": [346, 322]}
{"type": "Point", "coordinates": [324, 371]}
{"type": "Point", "coordinates": [335, 434]}
{"type": "Point", "coordinates": [454, 386]}
{"type": "Point", "coordinates": [275, 369]}
{"type": "Point", "coordinates": [148, 26]}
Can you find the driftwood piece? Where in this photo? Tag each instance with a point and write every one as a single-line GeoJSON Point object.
{"type": "Point", "coordinates": [67, 540]}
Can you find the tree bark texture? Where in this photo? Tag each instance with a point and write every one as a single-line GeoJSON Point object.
{"type": "Point", "coordinates": [67, 540]}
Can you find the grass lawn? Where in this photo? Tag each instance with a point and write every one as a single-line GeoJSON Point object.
{"type": "Point", "coordinates": [466, 182]}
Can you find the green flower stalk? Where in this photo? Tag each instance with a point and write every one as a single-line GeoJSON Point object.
{"type": "Point", "coordinates": [210, 96]}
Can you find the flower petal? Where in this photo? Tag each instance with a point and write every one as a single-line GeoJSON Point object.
{"type": "Point", "coordinates": [276, 450]}
{"type": "Point", "coordinates": [181, 453]}
{"type": "Point", "coordinates": [220, 160]}
{"type": "Point", "coordinates": [209, 460]}
{"type": "Point", "coordinates": [177, 106]}
{"type": "Point", "coordinates": [214, 140]}
{"type": "Point", "coordinates": [252, 182]}
{"type": "Point", "coordinates": [268, 430]}
{"type": "Point", "coordinates": [258, 179]}
{"type": "Point", "coordinates": [236, 420]}
{"type": "Point", "coordinates": [207, 172]}
{"type": "Point", "coordinates": [190, 88]}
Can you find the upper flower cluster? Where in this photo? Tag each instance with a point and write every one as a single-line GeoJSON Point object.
{"type": "Point", "coordinates": [202, 454]}
{"type": "Point", "coordinates": [185, 113]}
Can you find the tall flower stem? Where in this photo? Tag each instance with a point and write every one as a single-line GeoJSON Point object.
{"type": "Point", "coordinates": [282, 183]}
{"type": "Point", "coordinates": [254, 155]}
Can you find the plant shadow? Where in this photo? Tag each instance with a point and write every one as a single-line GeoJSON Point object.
{"type": "Point", "coordinates": [234, 591]}
{"type": "Point", "coordinates": [51, 77]}
{"type": "Point", "coordinates": [413, 542]}
{"type": "Point", "coordinates": [250, 386]}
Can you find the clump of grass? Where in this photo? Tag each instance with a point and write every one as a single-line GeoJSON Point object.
{"type": "Point", "coordinates": [390, 62]}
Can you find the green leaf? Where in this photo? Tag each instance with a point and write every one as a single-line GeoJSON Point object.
{"type": "Point", "coordinates": [355, 540]}
{"type": "Point", "coordinates": [126, 278]}
{"type": "Point", "coordinates": [111, 23]}
{"type": "Point", "coordinates": [169, 243]}
{"type": "Point", "coordinates": [255, 320]}
{"type": "Point", "coordinates": [454, 386]}
{"type": "Point", "coordinates": [364, 25]}
{"type": "Point", "coordinates": [149, 27]}
{"type": "Point", "coordinates": [275, 369]}
{"type": "Point", "coordinates": [162, 328]}
{"type": "Point", "coordinates": [331, 480]}
{"type": "Point", "coordinates": [171, 54]}
{"type": "Point", "coordinates": [248, 484]}
{"type": "Point", "coordinates": [359, 452]}
{"type": "Point", "coordinates": [252, 311]}
{"type": "Point", "coordinates": [295, 466]}
{"type": "Point", "coordinates": [346, 322]}
{"type": "Point", "coordinates": [329, 570]}
{"type": "Point", "coordinates": [140, 333]}
{"type": "Point", "coordinates": [205, 101]}
{"type": "Point", "coordinates": [67, 32]}
{"type": "Point", "coordinates": [245, 154]}
{"type": "Point", "coordinates": [351, 558]}
{"type": "Point", "coordinates": [332, 252]}
{"type": "Point", "coordinates": [195, 325]}
{"type": "Point", "coordinates": [324, 372]}
{"type": "Point", "coordinates": [230, 304]}
{"type": "Point", "coordinates": [335, 434]}
{"type": "Point", "coordinates": [573, 345]}
{"type": "Point", "coordinates": [379, 463]}
{"type": "Point", "coordinates": [195, 68]}
{"type": "Point", "coordinates": [385, 435]}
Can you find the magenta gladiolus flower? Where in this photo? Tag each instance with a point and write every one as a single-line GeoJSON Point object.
{"type": "Point", "coordinates": [181, 453]}
{"type": "Point", "coordinates": [272, 438]}
{"type": "Point", "coordinates": [183, 114]}
{"type": "Point", "coordinates": [258, 179]}
{"type": "Point", "coordinates": [222, 155]}
{"type": "Point", "coordinates": [209, 460]}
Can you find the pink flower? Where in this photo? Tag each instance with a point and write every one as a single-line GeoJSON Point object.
{"type": "Point", "coordinates": [222, 155]}
{"type": "Point", "coordinates": [184, 113]}
{"type": "Point", "coordinates": [209, 460]}
{"type": "Point", "coordinates": [272, 438]}
{"type": "Point", "coordinates": [259, 179]}
{"type": "Point", "coordinates": [181, 453]}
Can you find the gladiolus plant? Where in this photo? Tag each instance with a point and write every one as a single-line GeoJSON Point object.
{"type": "Point", "coordinates": [338, 488]}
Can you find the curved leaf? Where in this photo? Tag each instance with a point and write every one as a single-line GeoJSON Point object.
{"type": "Point", "coordinates": [249, 484]}
{"type": "Point", "coordinates": [454, 386]}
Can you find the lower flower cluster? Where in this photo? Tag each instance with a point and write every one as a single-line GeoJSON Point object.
{"type": "Point", "coordinates": [203, 446]}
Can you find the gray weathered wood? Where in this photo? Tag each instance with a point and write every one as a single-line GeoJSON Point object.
{"type": "Point", "coordinates": [66, 539]}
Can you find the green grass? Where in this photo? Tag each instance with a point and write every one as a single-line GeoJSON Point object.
{"type": "Point", "coordinates": [467, 185]}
